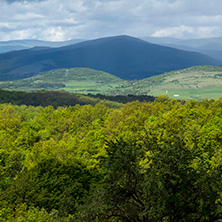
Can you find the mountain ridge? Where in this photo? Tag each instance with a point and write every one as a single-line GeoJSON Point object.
{"type": "Point", "coordinates": [123, 56]}
{"type": "Point", "coordinates": [14, 45]}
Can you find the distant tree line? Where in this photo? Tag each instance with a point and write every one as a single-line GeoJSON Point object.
{"type": "Point", "coordinates": [61, 98]}
{"type": "Point", "coordinates": [46, 98]}
{"type": "Point", "coordinates": [124, 99]}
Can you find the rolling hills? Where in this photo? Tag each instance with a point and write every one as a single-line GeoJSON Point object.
{"type": "Point", "coordinates": [196, 82]}
{"type": "Point", "coordinates": [124, 56]}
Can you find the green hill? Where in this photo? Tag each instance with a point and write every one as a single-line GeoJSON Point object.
{"type": "Point", "coordinates": [196, 82]}
{"type": "Point", "coordinates": [82, 80]}
{"type": "Point", "coordinates": [192, 83]}
{"type": "Point", "coordinates": [77, 74]}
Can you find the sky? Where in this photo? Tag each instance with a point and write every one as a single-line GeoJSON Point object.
{"type": "Point", "coordinates": [60, 20]}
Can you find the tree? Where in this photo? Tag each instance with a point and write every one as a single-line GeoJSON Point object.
{"type": "Point", "coordinates": [120, 194]}
{"type": "Point", "coordinates": [51, 184]}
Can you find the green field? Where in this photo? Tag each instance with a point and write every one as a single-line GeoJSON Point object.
{"type": "Point", "coordinates": [198, 94]}
{"type": "Point", "coordinates": [89, 87]}
{"type": "Point", "coordinates": [192, 83]}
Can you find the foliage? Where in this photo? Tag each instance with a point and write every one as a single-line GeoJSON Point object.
{"type": "Point", "coordinates": [53, 98]}
{"type": "Point", "coordinates": [159, 161]}
{"type": "Point", "coordinates": [124, 99]}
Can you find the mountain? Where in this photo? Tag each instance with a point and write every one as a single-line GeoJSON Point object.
{"type": "Point", "coordinates": [208, 46]}
{"type": "Point", "coordinates": [123, 56]}
{"type": "Point", "coordinates": [7, 46]}
{"type": "Point", "coordinates": [161, 40]}
{"type": "Point", "coordinates": [203, 43]}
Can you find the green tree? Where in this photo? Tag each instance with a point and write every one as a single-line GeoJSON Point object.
{"type": "Point", "coordinates": [119, 197]}
{"type": "Point", "coordinates": [51, 184]}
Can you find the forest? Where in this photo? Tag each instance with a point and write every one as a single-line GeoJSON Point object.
{"type": "Point", "coordinates": [143, 161]}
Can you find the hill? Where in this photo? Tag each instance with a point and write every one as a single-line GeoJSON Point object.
{"type": "Point", "coordinates": [196, 82]}
{"type": "Point", "coordinates": [192, 83]}
{"type": "Point", "coordinates": [123, 56]}
{"type": "Point", "coordinates": [78, 80]}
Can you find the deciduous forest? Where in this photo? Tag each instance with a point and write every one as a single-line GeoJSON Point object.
{"type": "Point", "coordinates": [144, 161]}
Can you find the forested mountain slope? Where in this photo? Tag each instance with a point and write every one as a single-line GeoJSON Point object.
{"type": "Point", "coordinates": [123, 56]}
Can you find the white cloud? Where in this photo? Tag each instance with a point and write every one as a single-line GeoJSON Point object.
{"type": "Point", "coordinates": [185, 31]}
{"type": "Point", "coordinates": [173, 31]}
{"type": "Point", "coordinates": [61, 20]}
{"type": "Point", "coordinates": [55, 34]}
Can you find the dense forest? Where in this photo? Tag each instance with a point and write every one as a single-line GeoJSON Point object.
{"type": "Point", "coordinates": [145, 161]}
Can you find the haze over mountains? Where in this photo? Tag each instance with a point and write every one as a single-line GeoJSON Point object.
{"type": "Point", "coordinates": [123, 56]}
{"type": "Point", "coordinates": [7, 46]}
{"type": "Point", "coordinates": [209, 46]}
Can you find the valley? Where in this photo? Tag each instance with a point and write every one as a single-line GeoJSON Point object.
{"type": "Point", "coordinates": [196, 82]}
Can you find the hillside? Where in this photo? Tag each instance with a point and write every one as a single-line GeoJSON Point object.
{"type": "Point", "coordinates": [78, 80]}
{"type": "Point", "coordinates": [192, 83]}
{"type": "Point", "coordinates": [123, 56]}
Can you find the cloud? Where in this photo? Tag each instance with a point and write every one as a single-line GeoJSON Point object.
{"type": "Point", "coordinates": [184, 31]}
{"type": "Point", "coordinates": [24, 1]}
{"type": "Point", "coordinates": [173, 31]}
{"type": "Point", "coordinates": [63, 20]}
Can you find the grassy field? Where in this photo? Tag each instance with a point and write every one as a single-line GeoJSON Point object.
{"type": "Point", "coordinates": [78, 80]}
{"type": "Point", "coordinates": [85, 87]}
{"type": "Point", "coordinates": [211, 92]}
{"type": "Point", "coordinates": [192, 83]}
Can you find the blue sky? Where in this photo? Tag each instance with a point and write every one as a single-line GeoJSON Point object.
{"type": "Point", "coordinates": [59, 20]}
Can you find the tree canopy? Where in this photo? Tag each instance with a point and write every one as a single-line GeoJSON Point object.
{"type": "Point", "coordinates": [158, 161]}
